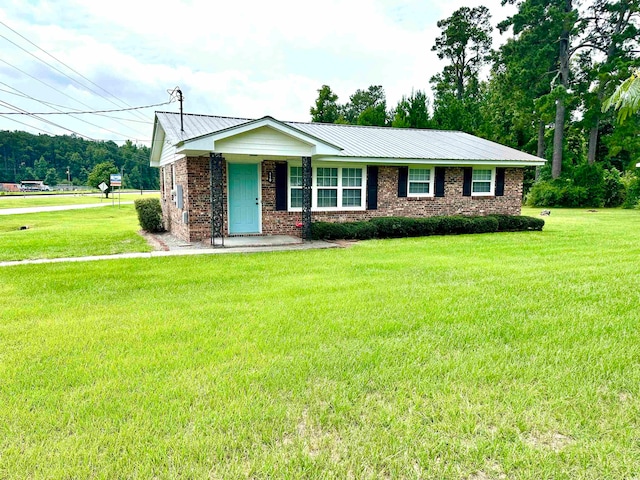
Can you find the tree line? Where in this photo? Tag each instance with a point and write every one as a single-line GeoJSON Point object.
{"type": "Point", "coordinates": [68, 159]}
{"type": "Point", "coordinates": [544, 92]}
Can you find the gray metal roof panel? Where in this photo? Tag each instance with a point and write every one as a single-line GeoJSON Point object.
{"type": "Point", "coordinates": [361, 141]}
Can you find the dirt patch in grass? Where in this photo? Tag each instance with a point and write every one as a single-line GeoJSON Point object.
{"type": "Point", "coordinates": [550, 440]}
{"type": "Point", "coordinates": [153, 240]}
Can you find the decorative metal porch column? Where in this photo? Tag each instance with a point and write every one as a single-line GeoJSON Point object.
{"type": "Point", "coordinates": [217, 208]}
{"type": "Point", "coordinates": [306, 198]}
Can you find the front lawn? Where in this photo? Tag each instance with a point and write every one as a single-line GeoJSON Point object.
{"type": "Point", "coordinates": [71, 233]}
{"type": "Point", "coordinates": [511, 355]}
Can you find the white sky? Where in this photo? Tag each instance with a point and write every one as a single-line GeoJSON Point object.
{"type": "Point", "coordinates": [242, 58]}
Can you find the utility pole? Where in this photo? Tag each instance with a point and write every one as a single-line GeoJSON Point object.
{"type": "Point", "coordinates": [180, 98]}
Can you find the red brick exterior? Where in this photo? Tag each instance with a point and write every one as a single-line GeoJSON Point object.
{"type": "Point", "coordinates": [193, 174]}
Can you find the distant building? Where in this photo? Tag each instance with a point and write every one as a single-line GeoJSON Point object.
{"type": "Point", "coordinates": [9, 187]}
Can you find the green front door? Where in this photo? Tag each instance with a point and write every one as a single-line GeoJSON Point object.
{"type": "Point", "coordinates": [244, 208]}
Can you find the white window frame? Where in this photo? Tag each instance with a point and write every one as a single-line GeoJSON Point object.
{"type": "Point", "coordinates": [431, 181]}
{"type": "Point", "coordinates": [340, 188]}
{"type": "Point", "coordinates": [492, 183]}
{"type": "Point", "coordinates": [290, 187]}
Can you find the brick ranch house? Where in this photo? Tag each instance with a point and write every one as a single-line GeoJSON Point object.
{"type": "Point", "coordinates": [222, 176]}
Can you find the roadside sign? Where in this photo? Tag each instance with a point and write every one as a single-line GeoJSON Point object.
{"type": "Point", "coordinates": [103, 186]}
{"type": "Point", "coordinates": [115, 180]}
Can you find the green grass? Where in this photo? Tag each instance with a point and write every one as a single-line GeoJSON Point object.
{"type": "Point", "coordinates": [513, 355]}
{"type": "Point", "coordinates": [45, 200]}
{"type": "Point", "coordinates": [71, 233]}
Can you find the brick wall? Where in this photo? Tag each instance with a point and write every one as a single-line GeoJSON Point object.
{"type": "Point", "coordinates": [193, 174]}
{"type": "Point", "coordinates": [389, 204]}
{"type": "Point", "coordinates": [171, 214]}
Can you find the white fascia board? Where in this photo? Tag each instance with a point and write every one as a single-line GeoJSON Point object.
{"type": "Point", "coordinates": [431, 161]}
{"type": "Point", "coordinates": [157, 143]}
{"type": "Point", "coordinates": [207, 142]}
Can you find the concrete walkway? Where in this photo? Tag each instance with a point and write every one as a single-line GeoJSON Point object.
{"type": "Point", "coordinates": [316, 244]}
{"type": "Point", "coordinates": [56, 208]}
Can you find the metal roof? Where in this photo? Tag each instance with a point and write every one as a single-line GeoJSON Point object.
{"type": "Point", "coordinates": [361, 141]}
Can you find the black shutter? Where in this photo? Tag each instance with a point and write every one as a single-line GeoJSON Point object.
{"type": "Point", "coordinates": [403, 177]}
{"type": "Point", "coordinates": [466, 181]}
{"type": "Point", "coordinates": [439, 181]}
{"type": "Point", "coordinates": [499, 182]}
{"type": "Point", "coordinates": [372, 187]}
{"type": "Point", "coordinates": [281, 186]}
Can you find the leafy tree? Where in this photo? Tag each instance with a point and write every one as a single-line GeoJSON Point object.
{"type": "Point", "coordinates": [466, 42]}
{"type": "Point", "coordinates": [24, 156]}
{"type": "Point", "coordinates": [367, 107]}
{"type": "Point", "coordinates": [626, 98]}
{"type": "Point", "coordinates": [326, 106]}
{"type": "Point", "coordinates": [552, 22]}
{"type": "Point", "coordinates": [102, 173]}
{"type": "Point", "coordinates": [51, 178]}
{"type": "Point", "coordinates": [412, 111]}
{"type": "Point", "coordinates": [611, 30]}
{"type": "Point", "coordinates": [40, 168]}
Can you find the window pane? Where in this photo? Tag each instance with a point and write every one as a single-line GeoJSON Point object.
{"type": "Point", "coordinates": [482, 175]}
{"type": "Point", "coordinates": [482, 187]}
{"type": "Point", "coordinates": [327, 177]}
{"type": "Point", "coordinates": [418, 187]}
{"type": "Point", "coordinates": [295, 176]}
{"type": "Point", "coordinates": [296, 198]}
{"type": "Point", "coordinates": [351, 198]}
{"type": "Point", "coordinates": [351, 177]}
{"type": "Point", "coordinates": [419, 174]}
{"type": "Point", "coordinates": [327, 197]}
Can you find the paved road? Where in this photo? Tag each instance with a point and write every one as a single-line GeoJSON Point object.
{"type": "Point", "coordinates": [55, 208]}
{"type": "Point", "coordinates": [72, 194]}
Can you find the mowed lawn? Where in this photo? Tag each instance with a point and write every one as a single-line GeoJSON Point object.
{"type": "Point", "coordinates": [512, 355]}
{"type": "Point", "coordinates": [71, 233]}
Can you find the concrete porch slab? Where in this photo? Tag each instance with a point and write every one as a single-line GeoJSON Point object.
{"type": "Point", "coordinates": [259, 241]}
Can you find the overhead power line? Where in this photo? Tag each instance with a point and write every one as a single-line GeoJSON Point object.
{"type": "Point", "coordinates": [17, 109]}
{"type": "Point", "coordinates": [70, 68]}
{"type": "Point", "coordinates": [18, 93]}
{"type": "Point", "coordinates": [24, 112]}
{"type": "Point", "coordinates": [62, 93]}
{"type": "Point", "coordinates": [74, 112]}
{"type": "Point", "coordinates": [30, 126]}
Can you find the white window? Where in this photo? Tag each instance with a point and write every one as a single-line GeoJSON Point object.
{"type": "Point", "coordinates": [295, 182]}
{"type": "Point", "coordinates": [332, 188]}
{"type": "Point", "coordinates": [326, 187]}
{"type": "Point", "coordinates": [482, 181]}
{"type": "Point", "coordinates": [420, 182]}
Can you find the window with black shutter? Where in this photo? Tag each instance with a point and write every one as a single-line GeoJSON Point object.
{"type": "Point", "coordinates": [403, 176]}
{"type": "Point", "coordinates": [500, 182]}
{"type": "Point", "coordinates": [281, 186]}
{"type": "Point", "coordinates": [439, 182]}
{"type": "Point", "coordinates": [372, 187]}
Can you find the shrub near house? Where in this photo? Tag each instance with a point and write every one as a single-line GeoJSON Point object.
{"type": "Point", "coordinates": [149, 214]}
{"type": "Point", "coordinates": [398, 227]}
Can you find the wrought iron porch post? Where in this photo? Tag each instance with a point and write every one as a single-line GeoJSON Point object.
{"type": "Point", "coordinates": [217, 208]}
{"type": "Point", "coordinates": [306, 198]}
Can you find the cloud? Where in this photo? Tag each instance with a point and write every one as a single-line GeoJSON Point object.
{"type": "Point", "coordinates": [242, 58]}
